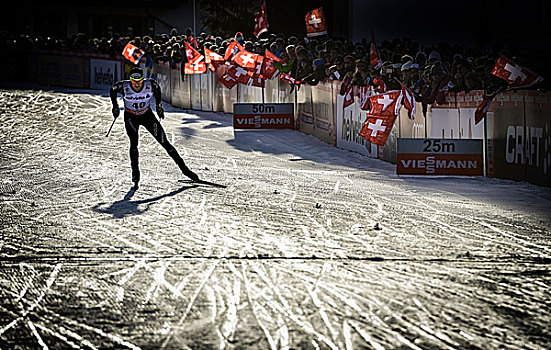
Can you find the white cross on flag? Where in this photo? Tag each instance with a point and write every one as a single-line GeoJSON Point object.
{"type": "Point", "coordinates": [213, 59]}
{"type": "Point", "coordinates": [261, 20]}
{"type": "Point", "coordinates": [288, 78]}
{"type": "Point", "coordinates": [228, 81]}
{"type": "Point", "coordinates": [197, 68]}
{"type": "Point", "coordinates": [132, 53]}
{"type": "Point", "coordinates": [315, 23]}
{"type": "Point", "coordinates": [377, 128]}
{"type": "Point", "coordinates": [386, 104]}
{"type": "Point", "coordinates": [247, 59]}
{"type": "Point", "coordinates": [193, 56]}
{"type": "Point", "coordinates": [516, 76]}
{"type": "Point", "coordinates": [239, 74]}
{"type": "Point", "coordinates": [232, 49]}
{"type": "Point", "coordinates": [268, 70]}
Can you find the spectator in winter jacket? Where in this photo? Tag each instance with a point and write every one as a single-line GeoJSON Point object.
{"type": "Point", "coordinates": [318, 73]}
{"type": "Point", "coordinates": [361, 74]}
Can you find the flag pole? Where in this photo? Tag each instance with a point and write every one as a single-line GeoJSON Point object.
{"type": "Point", "coordinates": [485, 148]}
{"type": "Point", "coordinates": [194, 22]}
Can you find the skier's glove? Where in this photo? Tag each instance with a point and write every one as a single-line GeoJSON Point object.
{"type": "Point", "coordinates": [116, 111]}
{"type": "Point", "coordinates": [160, 112]}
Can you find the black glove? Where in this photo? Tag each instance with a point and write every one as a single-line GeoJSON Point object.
{"type": "Point", "coordinates": [116, 111]}
{"type": "Point", "coordinates": [160, 112]}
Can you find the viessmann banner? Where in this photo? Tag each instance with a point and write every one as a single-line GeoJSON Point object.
{"type": "Point", "coordinates": [263, 116]}
{"type": "Point", "coordinates": [439, 157]}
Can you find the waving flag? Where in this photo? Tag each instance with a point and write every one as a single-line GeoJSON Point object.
{"type": "Point", "coordinates": [515, 75]}
{"type": "Point", "coordinates": [232, 49]}
{"type": "Point", "coordinates": [288, 78]}
{"type": "Point", "coordinates": [374, 57]}
{"type": "Point", "coordinates": [348, 96]}
{"type": "Point", "coordinates": [386, 104]}
{"type": "Point", "coordinates": [484, 106]}
{"type": "Point", "coordinates": [213, 59]}
{"type": "Point", "coordinates": [132, 53]}
{"type": "Point", "coordinates": [239, 74]}
{"type": "Point", "coordinates": [363, 93]}
{"type": "Point", "coordinates": [408, 100]}
{"type": "Point", "coordinates": [261, 20]}
{"type": "Point", "coordinates": [247, 59]}
{"type": "Point", "coordinates": [196, 68]}
{"type": "Point", "coordinates": [377, 128]}
{"type": "Point", "coordinates": [268, 69]}
{"type": "Point", "coordinates": [193, 56]}
{"type": "Point", "coordinates": [228, 81]}
{"type": "Point", "coordinates": [315, 23]}
{"type": "Point", "coordinates": [257, 80]}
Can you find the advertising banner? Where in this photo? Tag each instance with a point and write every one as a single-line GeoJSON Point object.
{"type": "Point", "coordinates": [522, 143]}
{"type": "Point", "coordinates": [263, 116]}
{"type": "Point", "coordinates": [104, 73]}
{"type": "Point", "coordinates": [163, 78]}
{"type": "Point", "coordinates": [323, 112]}
{"type": "Point", "coordinates": [349, 122]}
{"type": "Point", "coordinates": [439, 157]}
{"type": "Point", "coordinates": [70, 71]}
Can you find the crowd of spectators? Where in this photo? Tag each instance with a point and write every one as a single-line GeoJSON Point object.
{"type": "Point", "coordinates": [427, 70]}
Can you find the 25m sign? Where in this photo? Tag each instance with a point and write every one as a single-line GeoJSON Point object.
{"type": "Point", "coordinates": [263, 116]}
{"type": "Point", "coordinates": [439, 157]}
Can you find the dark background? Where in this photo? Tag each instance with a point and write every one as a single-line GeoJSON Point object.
{"type": "Point", "coordinates": [525, 23]}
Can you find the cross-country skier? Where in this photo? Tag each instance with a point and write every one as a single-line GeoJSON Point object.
{"type": "Point", "coordinates": [137, 94]}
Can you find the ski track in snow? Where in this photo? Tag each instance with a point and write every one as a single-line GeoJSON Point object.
{"type": "Point", "coordinates": [308, 247]}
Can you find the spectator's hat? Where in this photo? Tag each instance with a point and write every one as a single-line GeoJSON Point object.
{"type": "Point", "coordinates": [434, 55]}
{"type": "Point", "coordinates": [406, 66]}
{"type": "Point", "coordinates": [406, 58]}
{"type": "Point", "coordinates": [239, 37]}
{"type": "Point", "coordinates": [319, 62]}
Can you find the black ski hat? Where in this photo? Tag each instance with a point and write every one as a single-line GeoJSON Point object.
{"type": "Point", "coordinates": [136, 73]}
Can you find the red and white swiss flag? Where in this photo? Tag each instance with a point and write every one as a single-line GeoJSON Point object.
{"type": "Point", "coordinates": [193, 56]}
{"type": "Point", "coordinates": [484, 106]}
{"type": "Point", "coordinates": [374, 57]}
{"type": "Point", "coordinates": [233, 48]}
{"type": "Point", "coordinates": [261, 20]}
{"type": "Point", "coordinates": [386, 104]}
{"type": "Point", "coordinates": [197, 68]}
{"type": "Point", "coordinates": [377, 128]}
{"type": "Point", "coordinates": [213, 59]}
{"type": "Point", "coordinates": [257, 80]}
{"type": "Point", "coordinates": [247, 59]}
{"type": "Point", "coordinates": [132, 53]}
{"type": "Point", "coordinates": [211, 56]}
{"type": "Point", "coordinates": [228, 81]}
{"type": "Point", "coordinates": [315, 23]}
{"type": "Point", "coordinates": [288, 78]}
{"type": "Point", "coordinates": [348, 95]}
{"type": "Point", "coordinates": [239, 74]}
{"type": "Point", "coordinates": [515, 75]}
{"type": "Point", "coordinates": [268, 69]}
{"type": "Point", "coordinates": [409, 100]}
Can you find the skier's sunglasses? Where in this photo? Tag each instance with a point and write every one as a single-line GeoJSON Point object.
{"type": "Point", "coordinates": [136, 79]}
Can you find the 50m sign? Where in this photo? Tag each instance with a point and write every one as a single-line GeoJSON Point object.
{"type": "Point", "coordinates": [263, 116]}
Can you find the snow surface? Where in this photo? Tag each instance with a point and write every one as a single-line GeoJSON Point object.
{"type": "Point", "coordinates": [308, 247]}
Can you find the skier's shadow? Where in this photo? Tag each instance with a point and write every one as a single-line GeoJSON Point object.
{"type": "Point", "coordinates": [126, 207]}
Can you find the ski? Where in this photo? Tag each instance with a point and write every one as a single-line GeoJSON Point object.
{"type": "Point", "coordinates": [203, 182]}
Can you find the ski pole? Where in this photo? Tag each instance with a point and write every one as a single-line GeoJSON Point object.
{"type": "Point", "coordinates": [114, 120]}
